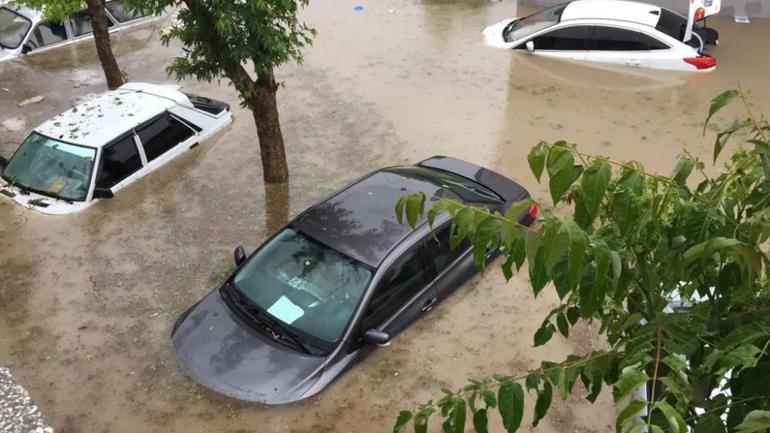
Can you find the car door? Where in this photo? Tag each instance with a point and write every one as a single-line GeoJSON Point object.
{"type": "Point", "coordinates": [569, 42]}
{"type": "Point", "coordinates": [80, 24]}
{"type": "Point", "coordinates": [623, 46]}
{"type": "Point", "coordinates": [402, 295]}
{"type": "Point", "coordinates": [451, 266]}
{"type": "Point", "coordinates": [164, 137]}
{"type": "Point", "coordinates": [46, 34]}
{"type": "Point", "coordinates": [119, 164]}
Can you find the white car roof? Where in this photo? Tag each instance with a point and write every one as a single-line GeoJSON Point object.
{"type": "Point", "coordinates": [619, 10]}
{"type": "Point", "coordinates": [107, 116]}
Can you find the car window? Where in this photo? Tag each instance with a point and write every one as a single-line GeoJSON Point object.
{"type": "Point", "coordinates": [672, 24]}
{"type": "Point", "coordinates": [403, 280]}
{"type": "Point", "coordinates": [47, 33]}
{"type": "Point", "coordinates": [119, 160]}
{"type": "Point", "coordinates": [120, 13]}
{"type": "Point", "coordinates": [529, 25]}
{"type": "Point", "coordinates": [81, 23]}
{"type": "Point", "coordinates": [441, 253]}
{"type": "Point", "coordinates": [568, 38]}
{"type": "Point", "coordinates": [304, 283]}
{"type": "Point", "coordinates": [615, 39]}
{"type": "Point", "coordinates": [13, 28]}
{"type": "Point", "coordinates": [162, 134]}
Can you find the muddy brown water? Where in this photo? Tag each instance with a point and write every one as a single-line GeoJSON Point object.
{"type": "Point", "coordinates": [87, 300]}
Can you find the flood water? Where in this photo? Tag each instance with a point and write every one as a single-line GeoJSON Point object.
{"type": "Point", "coordinates": [87, 301]}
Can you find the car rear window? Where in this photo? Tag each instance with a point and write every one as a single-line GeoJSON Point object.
{"type": "Point", "coordinates": [672, 24]}
{"type": "Point", "coordinates": [466, 189]}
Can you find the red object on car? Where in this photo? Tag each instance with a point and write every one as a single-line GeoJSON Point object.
{"type": "Point", "coordinates": [701, 62]}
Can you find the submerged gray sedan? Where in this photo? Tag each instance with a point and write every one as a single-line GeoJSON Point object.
{"type": "Point", "coordinates": [340, 279]}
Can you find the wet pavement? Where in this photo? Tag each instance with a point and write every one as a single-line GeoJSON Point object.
{"type": "Point", "coordinates": [87, 301]}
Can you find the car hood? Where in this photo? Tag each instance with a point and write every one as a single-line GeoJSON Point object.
{"type": "Point", "coordinates": [493, 35]}
{"type": "Point", "coordinates": [4, 55]}
{"type": "Point", "coordinates": [222, 353]}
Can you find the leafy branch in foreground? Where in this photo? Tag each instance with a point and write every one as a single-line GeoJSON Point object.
{"type": "Point", "coordinates": [633, 246]}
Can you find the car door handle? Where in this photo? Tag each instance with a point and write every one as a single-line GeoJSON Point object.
{"type": "Point", "coordinates": [428, 305]}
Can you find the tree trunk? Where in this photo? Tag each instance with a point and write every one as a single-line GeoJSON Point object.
{"type": "Point", "coordinates": [264, 107]}
{"type": "Point", "coordinates": [103, 47]}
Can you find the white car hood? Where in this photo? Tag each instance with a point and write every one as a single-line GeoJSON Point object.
{"type": "Point", "coordinates": [4, 55]}
{"type": "Point", "coordinates": [493, 35]}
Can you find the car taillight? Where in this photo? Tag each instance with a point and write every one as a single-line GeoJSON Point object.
{"type": "Point", "coordinates": [699, 13]}
{"type": "Point", "coordinates": [532, 212]}
{"type": "Point", "coordinates": [701, 62]}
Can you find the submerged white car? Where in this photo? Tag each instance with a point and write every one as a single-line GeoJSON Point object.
{"type": "Point", "coordinates": [612, 31]}
{"type": "Point", "coordinates": [91, 151]}
{"type": "Point", "coordinates": [24, 30]}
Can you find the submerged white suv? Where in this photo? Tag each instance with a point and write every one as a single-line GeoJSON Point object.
{"type": "Point", "coordinates": [609, 31]}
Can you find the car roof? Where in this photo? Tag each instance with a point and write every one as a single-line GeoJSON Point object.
{"type": "Point", "coordinates": [360, 221]}
{"type": "Point", "coordinates": [108, 116]}
{"type": "Point", "coordinates": [618, 10]}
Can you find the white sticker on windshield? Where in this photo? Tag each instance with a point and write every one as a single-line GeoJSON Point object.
{"type": "Point", "coordinates": [285, 310]}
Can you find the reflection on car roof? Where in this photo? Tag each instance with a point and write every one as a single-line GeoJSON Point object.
{"type": "Point", "coordinates": [360, 221]}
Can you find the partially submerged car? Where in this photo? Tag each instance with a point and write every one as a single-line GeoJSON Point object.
{"type": "Point", "coordinates": [338, 280]}
{"type": "Point", "coordinates": [613, 31]}
{"type": "Point", "coordinates": [24, 30]}
{"type": "Point", "coordinates": [91, 151]}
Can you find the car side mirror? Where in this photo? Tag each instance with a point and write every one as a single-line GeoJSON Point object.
{"type": "Point", "coordinates": [530, 46]}
{"type": "Point", "coordinates": [3, 162]}
{"type": "Point", "coordinates": [103, 193]}
{"type": "Point", "coordinates": [239, 255]}
{"type": "Point", "coordinates": [375, 336]}
{"type": "Point", "coordinates": [26, 48]}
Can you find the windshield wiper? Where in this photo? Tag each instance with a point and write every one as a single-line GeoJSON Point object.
{"type": "Point", "coordinates": [271, 325]}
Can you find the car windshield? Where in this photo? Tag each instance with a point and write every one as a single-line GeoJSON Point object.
{"type": "Point", "coordinates": [51, 167]}
{"type": "Point", "coordinates": [304, 284]}
{"type": "Point", "coordinates": [13, 28]}
{"type": "Point", "coordinates": [529, 25]}
{"type": "Point", "coordinates": [672, 24]}
{"type": "Point", "coordinates": [466, 189]}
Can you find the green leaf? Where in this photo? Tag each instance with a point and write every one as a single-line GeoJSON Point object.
{"type": "Point", "coordinates": [421, 419]}
{"type": "Point", "coordinates": [489, 398]}
{"type": "Point", "coordinates": [536, 159]}
{"type": "Point", "coordinates": [510, 403]}
{"type": "Point", "coordinates": [676, 362]}
{"type": "Point", "coordinates": [403, 418]}
{"type": "Point", "coordinates": [538, 275]}
{"type": "Point", "coordinates": [415, 204]}
{"type": "Point", "coordinates": [543, 334]}
{"type": "Point", "coordinates": [682, 169]}
{"type": "Point", "coordinates": [518, 209]}
{"type": "Point", "coordinates": [563, 383]}
{"type": "Point", "coordinates": [543, 402]}
{"type": "Point", "coordinates": [573, 314]}
{"type": "Point", "coordinates": [594, 185]}
{"type": "Point", "coordinates": [457, 419]}
{"type": "Point", "coordinates": [756, 420]}
{"type": "Point", "coordinates": [707, 248]}
{"type": "Point", "coordinates": [674, 418]}
{"type": "Point", "coordinates": [718, 103]}
{"type": "Point", "coordinates": [627, 414]}
{"type": "Point", "coordinates": [560, 182]}
{"type": "Point", "coordinates": [480, 421]}
{"type": "Point", "coordinates": [710, 423]}
{"type": "Point", "coordinates": [437, 209]}
{"type": "Point", "coordinates": [725, 135]}
{"type": "Point", "coordinates": [562, 325]}
{"type": "Point", "coordinates": [630, 379]}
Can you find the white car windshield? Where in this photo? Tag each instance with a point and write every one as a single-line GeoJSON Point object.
{"type": "Point", "coordinates": [13, 28]}
{"type": "Point", "coordinates": [529, 25]}
{"type": "Point", "coordinates": [305, 284]}
{"type": "Point", "coordinates": [51, 167]}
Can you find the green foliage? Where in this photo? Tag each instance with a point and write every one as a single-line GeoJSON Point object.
{"type": "Point", "coordinates": [219, 36]}
{"type": "Point", "coordinates": [54, 10]}
{"type": "Point", "coordinates": [618, 247]}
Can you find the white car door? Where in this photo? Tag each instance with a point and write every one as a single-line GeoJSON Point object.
{"type": "Point", "coordinates": [624, 46]}
{"type": "Point", "coordinates": [165, 137]}
{"type": "Point", "coordinates": [569, 42]}
{"type": "Point", "coordinates": [120, 163]}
